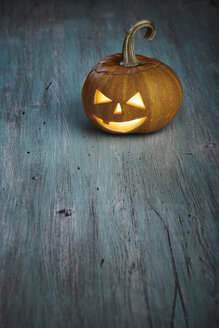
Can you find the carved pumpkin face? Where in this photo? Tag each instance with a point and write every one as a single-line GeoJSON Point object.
{"type": "Point", "coordinates": [118, 111]}
{"type": "Point", "coordinates": [139, 99]}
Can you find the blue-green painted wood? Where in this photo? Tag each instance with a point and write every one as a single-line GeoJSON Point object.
{"type": "Point", "coordinates": [99, 230]}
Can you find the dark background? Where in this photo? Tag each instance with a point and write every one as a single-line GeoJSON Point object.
{"type": "Point", "coordinates": [99, 230]}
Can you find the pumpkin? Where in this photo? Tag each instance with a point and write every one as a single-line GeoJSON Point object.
{"type": "Point", "coordinates": [128, 93]}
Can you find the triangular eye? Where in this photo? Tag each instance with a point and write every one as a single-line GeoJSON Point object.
{"type": "Point", "coordinates": [136, 101]}
{"type": "Point", "coordinates": [100, 98]}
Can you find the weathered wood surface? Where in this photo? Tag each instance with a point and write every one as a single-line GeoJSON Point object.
{"type": "Point", "coordinates": [139, 244]}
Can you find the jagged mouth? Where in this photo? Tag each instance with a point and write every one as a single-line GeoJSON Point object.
{"type": "Point", "coordinates": [121, 127]}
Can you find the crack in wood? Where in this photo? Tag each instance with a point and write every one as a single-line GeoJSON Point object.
{"type": "Point", "coordinates": [173, 307]}
{"type": "Point", "coordinates": [175, 274]}
{"type": "Point", "coordinates": [50, 83]}
{"type": "Point", "coordinates": [186, 257]}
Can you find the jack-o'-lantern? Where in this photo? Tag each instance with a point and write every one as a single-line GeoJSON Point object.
{"type": "Point", "coordinates": [128, 93]}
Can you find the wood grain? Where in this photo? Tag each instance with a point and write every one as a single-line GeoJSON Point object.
{"type": "Point", "coordinates": [99, 230]}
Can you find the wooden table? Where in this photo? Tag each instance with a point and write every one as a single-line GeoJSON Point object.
{"type": "Point", "coordinates": [101, 230]}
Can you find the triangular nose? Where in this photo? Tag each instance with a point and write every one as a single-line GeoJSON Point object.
{"type": "Point", "coordinates": [118, 109]}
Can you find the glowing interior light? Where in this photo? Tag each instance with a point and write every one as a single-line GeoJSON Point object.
{"type": "Point", "coordinates": [136, 101]}
{"type": "Point", "coordinates": [99, 98]}
{"type": "Point", "coordinates": [118, 109]}
{"type": "Point", "coordinates": [122, 127]}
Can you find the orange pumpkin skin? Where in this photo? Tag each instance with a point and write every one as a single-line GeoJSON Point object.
{"type": "Point", "coordinates": [157, 83]}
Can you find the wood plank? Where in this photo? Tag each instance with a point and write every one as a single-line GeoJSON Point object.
{"type": "Point", "coordinates": [100, 230]}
